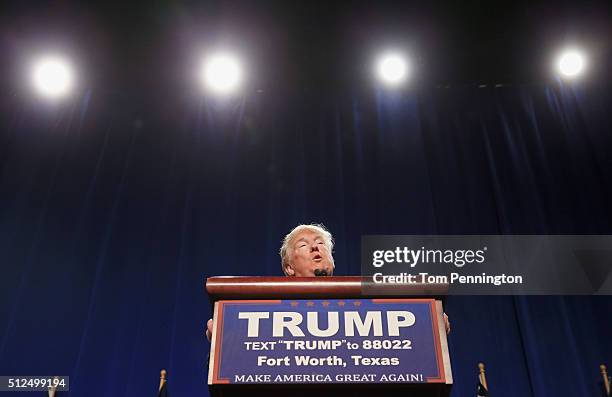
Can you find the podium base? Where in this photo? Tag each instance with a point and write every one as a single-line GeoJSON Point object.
{"type": "Point", "coordinates": [333, 390]}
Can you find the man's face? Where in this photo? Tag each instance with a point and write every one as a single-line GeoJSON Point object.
{"type": "Point", "coordinates": [307, 252]}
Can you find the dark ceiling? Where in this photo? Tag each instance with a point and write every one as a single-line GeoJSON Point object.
{"type": "Point", "coordinates": [140, 45]}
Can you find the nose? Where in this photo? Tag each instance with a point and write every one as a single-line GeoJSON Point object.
{"type": "Point", "coordinates": [314, 247]}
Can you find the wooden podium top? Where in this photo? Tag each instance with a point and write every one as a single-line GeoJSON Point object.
{"type": "Point", "coordinates": [342, 287]}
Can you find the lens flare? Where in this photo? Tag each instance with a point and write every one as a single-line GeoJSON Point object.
{"type": "Point", "coordinates": [222, 73]}
{"type": "Point", "coordinates": [52, 77]}
{"type": "Point", "coordinates": [392, 69]}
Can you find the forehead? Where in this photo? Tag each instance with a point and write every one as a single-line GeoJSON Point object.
{"type": "Point", "coordinates": [307, 235]}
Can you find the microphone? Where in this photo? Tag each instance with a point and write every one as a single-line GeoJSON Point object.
{"type": "Point", "coordinates": [320, 272]}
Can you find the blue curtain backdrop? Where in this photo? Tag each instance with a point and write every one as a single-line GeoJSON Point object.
{"type": "Point", "coordinates": [114, 209]}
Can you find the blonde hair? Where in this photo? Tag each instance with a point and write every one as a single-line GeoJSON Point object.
{"type": "Point", "coordinates": [328, 240]}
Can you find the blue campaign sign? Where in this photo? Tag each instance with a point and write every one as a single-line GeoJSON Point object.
{"type": "Point", "coordinates": [328, 341]}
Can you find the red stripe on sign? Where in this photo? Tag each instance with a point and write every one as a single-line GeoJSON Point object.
{"type": "Point", "coordinates": [219, 336]}
{"type": "Point", "coordinates": [441, 378]}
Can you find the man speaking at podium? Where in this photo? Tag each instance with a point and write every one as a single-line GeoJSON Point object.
{"type": "Point", "coordinates": [307, 252]}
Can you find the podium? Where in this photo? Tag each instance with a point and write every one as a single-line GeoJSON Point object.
{"type": "Point", "coordinates": [335, 336]}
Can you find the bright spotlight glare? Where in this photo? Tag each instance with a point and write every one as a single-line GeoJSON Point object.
{"type": "Point", "coordinates": [571, 63]}
{"type": "Point", "coordinates": [392, 69]}
{"type": "Point", "coordinates": [52, 77]}
{"type": "Point", "coordinates": [222, 73]}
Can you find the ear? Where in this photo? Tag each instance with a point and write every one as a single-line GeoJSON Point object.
{"type": "Point", "coordinates": [288, 269]}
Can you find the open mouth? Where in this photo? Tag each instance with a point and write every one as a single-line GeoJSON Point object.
{"type": "Point", "coordinates": [317, 258]}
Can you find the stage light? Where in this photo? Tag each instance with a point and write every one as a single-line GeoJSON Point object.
{"type": "Point", "coordinates": [571, 63]}
{"type": "Point", "coordinates": [222, 73]}
{"type": "Point", "coordinates": [391, 69]}
{"type": "Point", "coordinates": [52, 76]}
